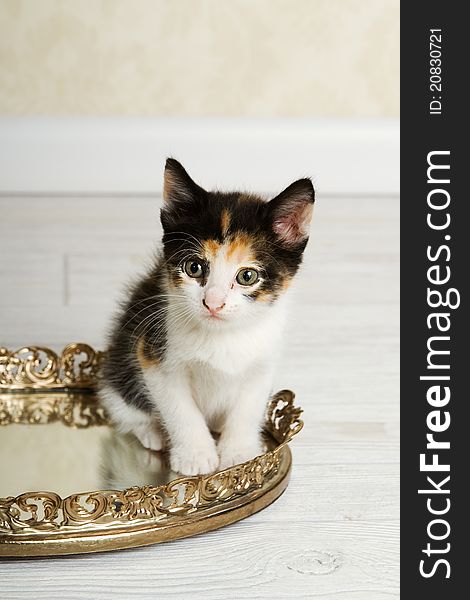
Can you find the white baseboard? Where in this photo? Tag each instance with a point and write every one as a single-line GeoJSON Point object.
{"type": "Point", "coordinates": [126, 155]}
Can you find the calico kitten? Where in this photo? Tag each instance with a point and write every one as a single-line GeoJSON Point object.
{"type": "Point", "coordinates": [193, 349]}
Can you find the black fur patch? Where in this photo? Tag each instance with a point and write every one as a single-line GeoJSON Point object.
{"type": "Point", "coordinates": [139, 322]}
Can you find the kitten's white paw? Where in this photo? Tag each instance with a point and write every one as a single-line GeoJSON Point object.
{"type": "Point", "coordinates": [149, 436]}
{"type": "Point", "coordinates": [232, 454]}
{"type": "Point", "coordinates": [194, 460]}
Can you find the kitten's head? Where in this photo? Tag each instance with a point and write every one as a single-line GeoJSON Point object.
{"type": "Point", "coordinates": [230, 256]}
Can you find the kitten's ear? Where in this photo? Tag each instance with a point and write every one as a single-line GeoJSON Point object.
{"type": "Point", "coordinates": [178, 187]}
{"type": "Point", "coordinates": [291, 213]}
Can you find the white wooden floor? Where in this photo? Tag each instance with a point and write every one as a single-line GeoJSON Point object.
{"type": "Point", "coordinates": [334, 533]}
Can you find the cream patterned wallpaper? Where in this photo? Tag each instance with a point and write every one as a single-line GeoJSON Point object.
{"type": "Point", "coordinates": [199, 57]}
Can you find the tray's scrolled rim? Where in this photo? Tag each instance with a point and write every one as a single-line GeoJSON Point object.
{"type": "Point", "coordinates": [42, 523]}
{"type": "Point", "coordinates": [137, 534]}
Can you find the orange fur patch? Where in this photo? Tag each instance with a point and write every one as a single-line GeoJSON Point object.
{"type": "Point", "coordinates": [145, 361]}
{"type": "Point", "coordinates": [240, 250]}
{"type": "Point", "coordinates": [286, 283]}
{"type": "Point", "coordinates": [225, 221]}
{"type": "Point", "coordinates": [264, 296]}
{"type": "Point", "coordinates": [210, 247]}
{"type": "Point", "coordinates": [268, 296]}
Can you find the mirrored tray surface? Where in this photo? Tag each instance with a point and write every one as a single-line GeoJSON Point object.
{"type": "Point", "coordinates": [69, 483]}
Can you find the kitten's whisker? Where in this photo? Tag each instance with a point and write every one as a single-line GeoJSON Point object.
{"type": "Point", "coordinates": [152, 316]}
{"type": "Point", "coordinates": [174, 322]}
{"type": "Point", "coordinates": [140, 311]}
{"type": "Point", "coordinates": [151, 320]}
{"type": "Point", "coordinates": [186, 235]}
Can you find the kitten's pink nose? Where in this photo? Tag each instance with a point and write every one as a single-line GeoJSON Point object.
{"type": "Point", "coordinates": [214, 301]}
{"type": "Point", "coordinates": [213, 307]}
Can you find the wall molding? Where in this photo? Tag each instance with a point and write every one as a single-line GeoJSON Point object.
{"type": "Point", "coordinates": [102, 155]}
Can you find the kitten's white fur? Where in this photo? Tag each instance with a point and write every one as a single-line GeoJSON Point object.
{"type": "Point", "coordinates": [216, 373]}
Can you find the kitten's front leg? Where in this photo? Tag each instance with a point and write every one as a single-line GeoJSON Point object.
{"type": "Point", "coordinates": [240, 439]}
{"type": "Point", "coordinates": [192, 447]}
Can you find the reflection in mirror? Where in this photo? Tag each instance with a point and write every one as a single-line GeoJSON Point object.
{"type": "Point", "coordinates": [64, 460]}
{"type": "Point", "coordinates": [49, 458]}
{"type": "Point", "coordinates": [71, 448]}
{"type": "Point", "coordinates": [124, 462]}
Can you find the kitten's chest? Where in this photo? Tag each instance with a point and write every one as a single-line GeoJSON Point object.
{"type": "Point", "coordinates": [227, 352]}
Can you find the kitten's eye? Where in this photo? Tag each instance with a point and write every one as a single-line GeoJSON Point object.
{"type": "Point", "coordinates": [247, 276]}
{"type": "Point", "coordinates": [193, 268]}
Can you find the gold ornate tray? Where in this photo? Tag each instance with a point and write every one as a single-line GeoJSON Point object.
{"type": "Point", "coordinates": [136, 499]}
